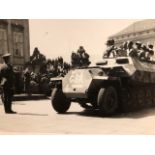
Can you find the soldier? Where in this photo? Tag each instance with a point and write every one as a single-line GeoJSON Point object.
{"type": "Point", "coordinates": [143, 55]}
{"type": "Point", "coordinates": [150, 48]}
{"type": "Point", "coordinates": [83, 57]}
{"type": "Point", "coordinates": [127, 47]}
{"type": "Point", "coordinates": [80, 52]}
{"type": "Point", "coordinates": [136, 49]}
{"type": "Point", "coordinates": [111, 49]}
{"type": "Point", "coordinates": [7, 83]}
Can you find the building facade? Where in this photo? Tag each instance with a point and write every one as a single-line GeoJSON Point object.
{"type": "Point", "coordinates": [143, 31]}
{"type": "Point", "coordinates": [14, 38]}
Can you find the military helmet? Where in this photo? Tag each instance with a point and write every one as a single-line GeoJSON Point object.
{"type": "Point", "coordinates": [110, 42]}
{"type": "Point", "coordinates": [150, 46]}
{"type": "Point", "coordinates": [81, 47]}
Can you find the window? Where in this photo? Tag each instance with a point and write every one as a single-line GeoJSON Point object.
{"type": "Point", "coordinates": [18, 44]}
{"type": "Point", "coordinates": [3, 41]}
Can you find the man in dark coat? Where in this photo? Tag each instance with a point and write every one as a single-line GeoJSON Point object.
{"type": "Point", "coordinates": [7, 83]}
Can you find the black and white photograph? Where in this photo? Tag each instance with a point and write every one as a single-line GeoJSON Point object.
{"type": "Point", "coordinates": [77, 76]}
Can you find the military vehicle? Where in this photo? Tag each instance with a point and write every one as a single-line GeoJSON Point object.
{"type": "Point", "coordinates": [115, 84]}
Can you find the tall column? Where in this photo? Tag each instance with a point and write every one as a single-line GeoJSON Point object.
{"type": "Point", "coordinates": [26, 41]}
{"type": "Point", "coordinates": [10, 40]}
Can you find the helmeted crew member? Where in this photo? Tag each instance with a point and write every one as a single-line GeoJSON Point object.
{"type": "Point", "coordinates": [80, 53]}
{"type": "Point", "coordinates": [111, 49]}
{"type": "Point", "coordinates": [139, 47]}
{"type": "Point", "coordinates": [144, 52]}
{"type": "Point", "coordinates": [136, 50]}
{"type": "Point", "coordinates": [7, 83]}
{"type": "Point", "coordinates": [80, 58]}
{"type": "Point", "coordinates": [128, 46]}
{"type": "Point", "coordinates": [150, 48]}
{"type": "Point", "coordinates": [151, 52]}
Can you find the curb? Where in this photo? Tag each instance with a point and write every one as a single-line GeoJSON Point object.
{"type": "Point", "coordinates": [25, 97]}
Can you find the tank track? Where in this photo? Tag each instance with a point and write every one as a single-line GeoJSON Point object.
{"type": "Point", "coordinates": [137, 97]}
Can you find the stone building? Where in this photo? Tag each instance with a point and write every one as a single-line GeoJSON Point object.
{"type": "Point", "coordinates": [14, 38]}
{"type": "Point", "coordinates": [143, 31]}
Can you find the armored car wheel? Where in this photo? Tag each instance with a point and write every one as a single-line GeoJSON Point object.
{"type": "Point", "coordinates": [107, 100]}
{"type": "Point", "coordinates": [59, 101]}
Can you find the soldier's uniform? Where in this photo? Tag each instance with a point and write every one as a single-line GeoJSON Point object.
{"type": "Point", "coordinates": [111, 49]}
{"type": "Point", "coordinates": [7, 83]}
{"type": "Point", "coordinates": [127, 47]}
{"type": "Point", "coordinates": [80, 52]}
{"type": "Point", "coordinates": [143, 54]}
{"type": "Point", "coordinates": [85, 58]}
{"type": "Point", "coordinates": [136, 50]}
{"type": "Point", "coordinates": [151, 51]}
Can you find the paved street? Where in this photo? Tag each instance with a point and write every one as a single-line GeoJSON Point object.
{"type": "Point", "coordinates": [38, 117]}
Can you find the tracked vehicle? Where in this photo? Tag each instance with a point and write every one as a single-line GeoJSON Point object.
{"type": "Point", "coordinates": [115, 84]}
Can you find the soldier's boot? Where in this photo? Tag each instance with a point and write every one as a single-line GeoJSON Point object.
{"type": "Point", "coordinates": [8, 108]}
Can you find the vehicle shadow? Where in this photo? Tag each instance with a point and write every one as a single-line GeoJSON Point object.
{"type": "Point", "coordinates": [32, 114]}
{"type": "Point", "coordinates": [131, 115]}
{"type": "Point", "coordinates": [139, 113]}
{"type": "Point", "coordinates": [18, 103]}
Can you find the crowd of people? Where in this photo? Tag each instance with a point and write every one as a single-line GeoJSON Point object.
{"type": "Point", "coordinates": [39, 70]}
{"type": "Point", "coordinates": [80, 58]}
{"type": "Point", "coordinates": [130, 48]}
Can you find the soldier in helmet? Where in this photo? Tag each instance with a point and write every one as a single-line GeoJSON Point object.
{"type": "Point", "coordinates": [83, 57]}
{"type": "Point", "coordinates": [144, 53]}
{"type": "Point", "coordinates": [127, 47]}
{"type": "Point", "coordinates": [7, 83]}
{"type": "Point", "coordinates": [81, 50]}
{"type": "Point", "coordinates": [150, 48]}
{"type": "Point", "coordinates": [151, 52]}
{"type": "Point", "coordinates": [136, 49]}
{"type": "Point", "coordinates": [80, 53]}
{"type": "Point", "coordinates": [111, 49]}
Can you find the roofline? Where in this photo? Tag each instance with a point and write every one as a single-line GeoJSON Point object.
{"type": "Point", "coordinates": [119, 35]}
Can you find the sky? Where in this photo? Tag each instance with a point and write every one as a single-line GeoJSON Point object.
{"type": "Point", "coordinates": [59, 37]}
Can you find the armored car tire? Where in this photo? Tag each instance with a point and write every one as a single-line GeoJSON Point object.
{"type": "Point", "coordinates": [107, 100]}
{"type": "Point", "coordinates": [59, 101]}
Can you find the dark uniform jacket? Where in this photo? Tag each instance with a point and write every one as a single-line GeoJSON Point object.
{"type": "Point", "coordinates": [7, 75]}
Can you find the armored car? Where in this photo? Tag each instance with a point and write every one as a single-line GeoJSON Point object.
{"type": "Point", "coordinates": [114, 84]}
